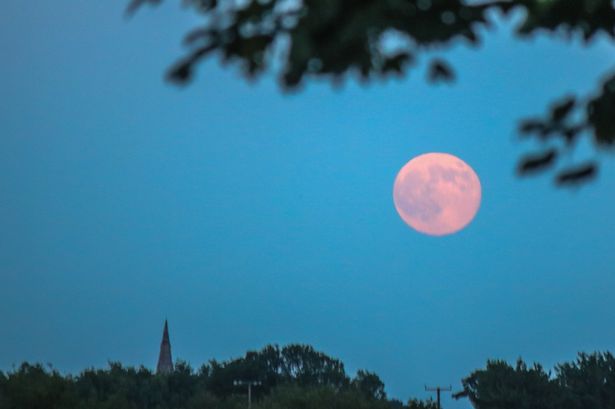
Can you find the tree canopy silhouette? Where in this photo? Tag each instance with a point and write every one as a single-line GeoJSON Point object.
{"type": "Point", "coordinates": [304, 39]}
{"type": "Point", "coordinates": [295, 376]}
{"type": "Point", "coordinates": [587, 383]}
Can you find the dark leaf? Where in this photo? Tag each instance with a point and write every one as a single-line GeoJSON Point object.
{"type": "Point", "coordinates": [198, 34]}
{"type": "Point", "coordinates": [531, 126]}
{"type": "Point", "coordinates": [562, 109]}
{"type": "Point", "coordinates": [181, 73]}
{"type": "Point", "coordinates": [537, 162]}
{"type": "Point", "coordinates": [439, 70]}
{"type": "Point", "coordinates": [577, 174]}
{"type": "Point", "coordinates": [134, 5]}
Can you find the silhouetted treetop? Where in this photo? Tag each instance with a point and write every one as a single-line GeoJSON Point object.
{"type": "Point", "coordinates": [295, 376]}
{"type": "Point", "coordinates": [369, 384]}
{"type": "Point", "coordinates": [301, 39]}
{"type": "Point", "coordinates": [272, 366]}
{"type": "Point", "coordinates": [587, 383]}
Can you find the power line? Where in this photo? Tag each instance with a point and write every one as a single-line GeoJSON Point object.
{"type": "Point", "coordinates": [250, 384]}
{"type": "Point", "coordinates": [438, 389]}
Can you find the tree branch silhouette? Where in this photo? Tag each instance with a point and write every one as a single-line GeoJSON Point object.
{"type": "Point", "coordinates": [336, 38]}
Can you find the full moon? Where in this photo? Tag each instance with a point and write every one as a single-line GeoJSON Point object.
{"type": "Point", "coordinates": [437, 194]}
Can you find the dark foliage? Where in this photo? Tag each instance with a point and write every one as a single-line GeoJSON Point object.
{"type": "Point", "coordinates": [295, 376]}
{"type": "Point", "coordinates": [294, 364]}
{"type": "Point", "coordinates": [369, 384]}
{"type": "Point", "coordinates": [587, 383]}
{"type": "Point", "coordinates": [333, 38]}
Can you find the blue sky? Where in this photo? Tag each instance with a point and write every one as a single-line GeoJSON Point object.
{"type": "Point", "coordinates": [248, 216]}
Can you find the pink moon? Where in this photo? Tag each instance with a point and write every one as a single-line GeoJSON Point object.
{"type": "Point", "coordinates": [437, 194]}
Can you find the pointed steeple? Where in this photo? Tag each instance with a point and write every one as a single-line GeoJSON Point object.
{"type": "Point", "coordinates": [165, 362]}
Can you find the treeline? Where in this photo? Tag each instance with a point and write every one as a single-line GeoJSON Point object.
{"type": "Point", "coordinates": [587, 383]}
{"type": "Point", "coordinates": [298, 377]}
{"type": "Point", "coordinates": [293, 377]}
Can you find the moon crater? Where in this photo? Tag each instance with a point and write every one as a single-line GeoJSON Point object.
{"type": "Point", "coordinates": [437, 194]}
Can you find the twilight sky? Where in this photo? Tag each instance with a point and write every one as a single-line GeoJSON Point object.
{"type": "Point", "coordinates": [248, 216]}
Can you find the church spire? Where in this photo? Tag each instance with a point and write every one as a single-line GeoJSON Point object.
{"type": "Point", "coordinates": [165, 362]}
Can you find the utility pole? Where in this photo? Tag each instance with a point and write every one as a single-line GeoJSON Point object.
{"type": "Point", "coordinates": [250, 384]}
{"type": "Point", "coordinates": [438, 389]}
